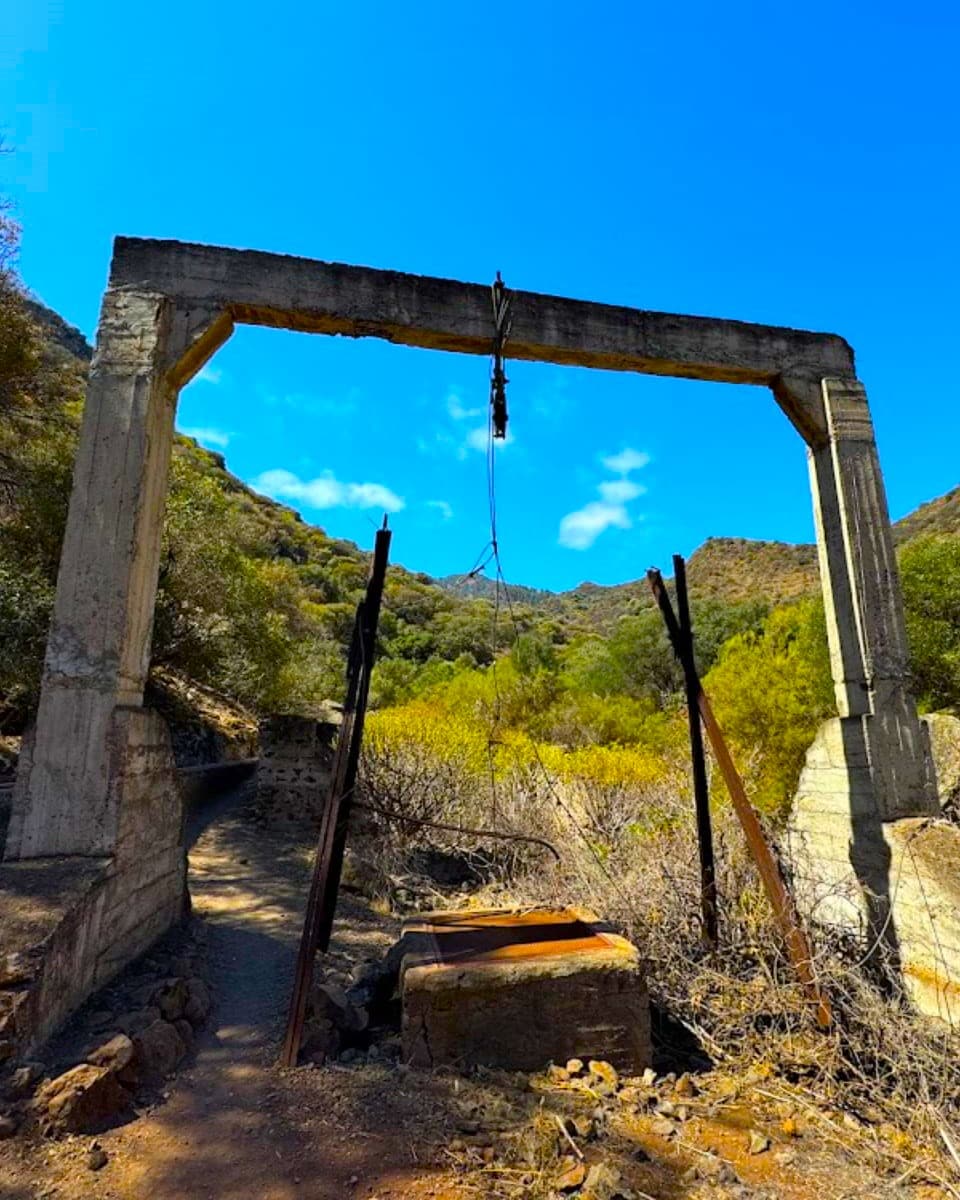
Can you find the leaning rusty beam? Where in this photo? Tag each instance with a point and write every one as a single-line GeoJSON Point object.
{"type": "Point", "coordinates": [774, 883]}
{"type": "Point", "coordinates": [331, 842]}
{"type": "Point", "coordinates": [253, 287]}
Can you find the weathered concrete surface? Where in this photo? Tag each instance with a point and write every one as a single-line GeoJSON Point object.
{"type": "Point", "coordinates": [74, 922]}
{"type": "Point", "coordinates": [893, 885]}
{"type": "Point", "coordinates": [866, 630]}
{"type": "Point", "coordinates": [443, 314]}
{"type": "Point", "coordinates": [518, 990]}
{"type": "Point", "coordinates": [99, 643]}
{"type": "Point", "coordinates": [80, 919]}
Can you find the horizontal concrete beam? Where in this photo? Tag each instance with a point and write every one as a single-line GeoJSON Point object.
{"type": "Point", "coordinates": [442, 314]}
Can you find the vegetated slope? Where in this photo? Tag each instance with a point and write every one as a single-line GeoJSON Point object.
{"type": "Point", "coordinates": [727, 569]}
{"type": "Point", "coordinates": [302, 584]}
{"type": "Point", "coordinates": [938, 516]}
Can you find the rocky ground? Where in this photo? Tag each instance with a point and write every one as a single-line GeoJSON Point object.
{"type": "Point", "coordinates": [228, 1122]}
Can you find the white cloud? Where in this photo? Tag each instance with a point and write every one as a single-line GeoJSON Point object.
{"type": "Point", "coordinates": [326, 491]}
{"type": "Point", "coordinates": [619, 491]}
{"type": "Point", "coordinates": [442, 507]}
{"type": "Point", "coordinates": [580, 529]}
{"type": "Point", "coordinates": [626, 461]}
{"type": "Point", "coordinates": [209, 374]}
{"type": "Point", "coordinates": [456, 409]}
{"type": "Point", "coordinates": [210, 437]}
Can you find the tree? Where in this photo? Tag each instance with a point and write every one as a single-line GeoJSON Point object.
{"type": "Point", "coordinates": [930, 572]}
{"type": "Point", "coordinates": [771, 689]}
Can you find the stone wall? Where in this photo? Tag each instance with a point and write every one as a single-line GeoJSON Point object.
{"type": "Point", "coordinates": [293, 777]}
{"type": "Point", "coordinates": [894, 885]}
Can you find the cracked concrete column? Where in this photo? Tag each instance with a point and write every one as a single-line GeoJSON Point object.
{"type": "Point", "coordinates": [99, 643]}
{"type": "Point", "coordinates": [864, 608]}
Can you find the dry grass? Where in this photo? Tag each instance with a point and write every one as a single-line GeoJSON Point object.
{"type": "Point", "coordinates": [633, 859]}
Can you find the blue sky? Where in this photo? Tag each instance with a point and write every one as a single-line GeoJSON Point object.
{"type": "Point", "coordinates": [795, 165]}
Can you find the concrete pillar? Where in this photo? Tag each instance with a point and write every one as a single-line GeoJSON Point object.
{"type": "Point", "coordinates": [864, 607]}
{"type": "Point", "coordinates": [99, 644]}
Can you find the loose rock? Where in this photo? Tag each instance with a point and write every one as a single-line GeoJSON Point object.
{"type": "Point", "coordinates": [96, 1158]}
{"type": "Point", "coordinates": [330, 1003]}
{"type": "Point", "coordinates": [197, 1007]}
{"type": "Point", "coordinates": [571, 1176]}
{"type": "Point", "coordinates": [185, 1029]}
{"type": "Point", "coordinates": [84, 1099]}
{"type": "Point", "coordinates": [606, 1079]}
{"type": "Point", "coordinates": [15, 969]}
{"type": "Point", "coordinates": [137, 1020]}
{"type": "Point", "coordinates": [320, 1041]}
{"type": "Point", "coordinates": [23, 1079]}
{"type": "Point", "coordinates": [116, 1054]}
{"type": "Point", "coordinates": [171, 998]}
{"type": "Point", "coordinates": [159, 1048]}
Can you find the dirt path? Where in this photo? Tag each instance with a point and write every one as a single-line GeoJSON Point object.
{"type": "Point", "coordinates": [233, 1125]}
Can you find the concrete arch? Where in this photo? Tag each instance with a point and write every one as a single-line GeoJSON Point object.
{"type": "Point", "coordinates": [96, 783]}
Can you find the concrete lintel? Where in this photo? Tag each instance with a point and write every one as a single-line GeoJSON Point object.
{"type": "Point", "coordinates": [442, 314]}
{"type": "Point", "coordinates": [802, 401]}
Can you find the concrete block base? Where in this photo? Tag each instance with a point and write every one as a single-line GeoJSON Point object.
{"type": "Point", "coordinates": [519, 989]}
{"type": "Point", "coordinates": [69, 923]}
{"type": "Point", "coordinates": [893, 885]}
{"type": "Point", "coordinates": [67, 927]}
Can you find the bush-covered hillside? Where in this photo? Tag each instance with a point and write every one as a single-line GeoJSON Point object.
{"type": "Point", "coordinates": [258, 605]}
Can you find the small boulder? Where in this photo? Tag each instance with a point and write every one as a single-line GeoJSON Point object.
{"type": "Point", "coordinates": [603, 1078]}
{"type": "Point", "coordinates": [116, 1054]}
{"type": "Point", "coordinates": [759, 1142]}
{"type": "Point", "coordinates": [96, 1158]}
{"type": "Point", "coordinates": [8, 1127]}
{"type": "Point", "coordinates": [15, 969]}
{"type": "Point", "coordinates": [22, 1080]}
{"type": "Point", "coordinates": [171, 998]}
{"type": "Point", "coordinates": [137, 1020]}
{"type": "Point", "coordinates": [84, 1099]}
{"type": "Point", "coordinates": [359, 875]}
{"type": "Point", "coordinates": [119, 1056]}
{"type": "Point", "coordinates": [197, 1007]}
{"type": "Point", "coordinates": [571, 1174]}
{"type": "Point", "coordinates": [331, 1003]}
{"type": "Point", "coordinates": [159, 1048]}
{"type": "Point", "coordinates": [602, 1182]}
{"type": "Point", "coordinates": [185, 1029]}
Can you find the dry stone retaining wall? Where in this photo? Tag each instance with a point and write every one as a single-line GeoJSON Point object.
{"type": "Point", "coordinates": [293, 777]}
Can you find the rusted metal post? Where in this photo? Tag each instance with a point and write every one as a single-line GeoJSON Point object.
{"type": "Point", "coordinates": [331, 841]}
{"type": "Point", "coordinates": [774, 883]}
{"type": "Point", "coordinates": [701, 792]}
